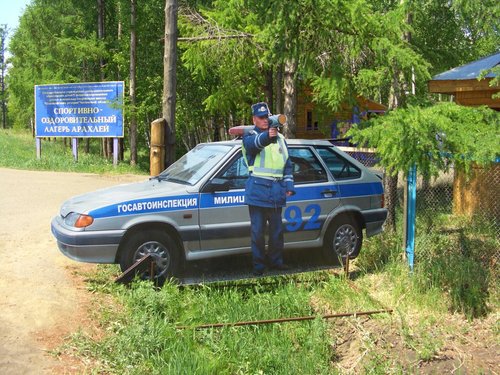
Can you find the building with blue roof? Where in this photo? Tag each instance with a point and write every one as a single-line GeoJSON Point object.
{"type": "Point", "coordinates": [463, 83]}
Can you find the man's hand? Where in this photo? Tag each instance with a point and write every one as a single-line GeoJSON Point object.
{"type": "Point", "coordinates": [289, 193]}
{"type": "Point", "coordinates": [273, 132]}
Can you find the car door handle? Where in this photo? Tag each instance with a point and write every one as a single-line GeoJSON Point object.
{"type": "Point", "coordinates": [329, 191]}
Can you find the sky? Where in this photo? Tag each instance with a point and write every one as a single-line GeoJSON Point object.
{"type": "Point", "coordinates": [10, 11]}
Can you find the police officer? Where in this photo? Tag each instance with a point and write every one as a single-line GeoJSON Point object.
{"type": "Point", "coordinates": [270, 182]}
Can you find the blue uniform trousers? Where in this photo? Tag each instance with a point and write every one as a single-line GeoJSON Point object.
{"type": "Point", "coordinates": [259, 217]}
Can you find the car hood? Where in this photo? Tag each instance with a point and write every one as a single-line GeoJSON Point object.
{"type": "Point", "coordinates": [115, 195]}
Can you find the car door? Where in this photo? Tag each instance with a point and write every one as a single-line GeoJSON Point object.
{"type": "Point", "coordinates": [223, 215]}
{"type": "Point", "coordinates": [316, 197]}
{"type": "Point", "coordinates": [356, 192]}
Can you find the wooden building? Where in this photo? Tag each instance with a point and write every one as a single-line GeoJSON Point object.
{"type": "Point", "coordinates": [464, 84]}
{"type": "Point", "coordinates": [316, 123]}
{"type": "Point", "coordinates": [479, 192]}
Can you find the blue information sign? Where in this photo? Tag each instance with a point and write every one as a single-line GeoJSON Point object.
{"type": "Point", "coordinates": [79, 110]}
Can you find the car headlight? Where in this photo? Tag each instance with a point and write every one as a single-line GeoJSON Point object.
{"type": "Point", "coordinates": [74, 219]}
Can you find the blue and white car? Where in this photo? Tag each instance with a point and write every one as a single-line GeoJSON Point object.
{"type": "Point", "coordinates": [195, 210]}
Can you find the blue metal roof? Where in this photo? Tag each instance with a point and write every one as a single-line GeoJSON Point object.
{"type": "Point", "coordinates": [471, 70]}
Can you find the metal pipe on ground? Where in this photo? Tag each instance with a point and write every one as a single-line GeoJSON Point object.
{"type": "Point", "coordinates": [142, 265]}
{"type": "Point", "coordinates": [285, 320]}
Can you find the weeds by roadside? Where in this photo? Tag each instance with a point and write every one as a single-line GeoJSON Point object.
{"type": "Point", "coordinates": [456, 265]}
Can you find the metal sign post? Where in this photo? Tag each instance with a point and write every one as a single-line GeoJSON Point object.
{"type": "Point", "coordinates": [411, 185]}
{"type": "Point", "coordinates": [74, 147]}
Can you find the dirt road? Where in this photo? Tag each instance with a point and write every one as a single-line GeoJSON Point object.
{"type": "Point", "coordinates": [40, 301]}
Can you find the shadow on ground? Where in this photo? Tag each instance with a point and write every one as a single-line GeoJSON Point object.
{"type": "Point", "coordinates": [240, 267]}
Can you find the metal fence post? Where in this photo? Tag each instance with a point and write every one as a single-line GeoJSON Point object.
{"type": "Point", "coordinates": [115, 152]}
{"type": "Point", "coordinates": [411, 185]}
{"type": "Point", "coordinates": [38, 143]}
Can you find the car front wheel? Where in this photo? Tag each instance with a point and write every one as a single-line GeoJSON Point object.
{"type": "Point", "coordinates": [344, 239]}
{"type": "Point", "coordinates": [162, 248]}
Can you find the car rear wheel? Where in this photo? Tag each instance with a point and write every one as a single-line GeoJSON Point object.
{"type": "Point", "coordinates": [344, 239]}
{"type": "Point", "coordinates": [160, 246]}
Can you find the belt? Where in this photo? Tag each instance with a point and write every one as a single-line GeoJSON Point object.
{"type": "Point", "coordinates": [268, 178]}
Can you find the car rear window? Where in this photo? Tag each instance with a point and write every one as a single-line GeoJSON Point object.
{"type": "Point", "coordinates": [340, 168]}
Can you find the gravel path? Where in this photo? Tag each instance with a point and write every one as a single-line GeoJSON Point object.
{"type": "Point", "coordinates": [41, 299]}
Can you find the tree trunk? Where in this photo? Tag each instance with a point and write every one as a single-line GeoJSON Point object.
{"type": "Point", "coordinates": [3, 37]}
{"type": "Point", "coordinates": [133, 117]}
{"type": "Point", "coordinates": [100, 36]}
{"type": "Point", "coordinates": [119, 28]}
{"type": "Point", "coordinates": [391, 182]}
{"type": "Point", "coordinates": [391, 200]}
{"type": "Point", "coordinates": [268, 89]}
{"type": "Point", "coordinates": [169, 78]}
{"type": "Point", "coordinates": [290, 104]}
{"type": "Point", "coordinates": [100, 32]}
{"type": "Point", "coordinates": [119, 37]}
{"type": "Point", "coordinates": [121, 149]}
{"type": "Point", "coordinates": [396, 98]}
{"type": "Point", "coordinates": [279, 89]}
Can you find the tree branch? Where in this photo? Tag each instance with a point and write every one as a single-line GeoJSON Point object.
{"type": "Point", "coordinates": [214, 37]}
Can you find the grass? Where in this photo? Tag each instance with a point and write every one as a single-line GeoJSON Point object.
{"type": "Point", "coordinates": [144, 337]}
{"type": "Point", "coordinates": [439, 306]}
{"type": "Point", "coordinates": [17, 150]}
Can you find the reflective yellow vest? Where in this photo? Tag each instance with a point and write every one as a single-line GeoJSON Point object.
{"type": "Point", "coordinates": [270, 162]}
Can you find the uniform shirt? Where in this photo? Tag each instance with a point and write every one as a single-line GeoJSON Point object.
{"type": "Point", "coordinates": [265, 192]}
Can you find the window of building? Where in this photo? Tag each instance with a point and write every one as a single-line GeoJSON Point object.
{"type": "Point", "coordinates": [309, 123]}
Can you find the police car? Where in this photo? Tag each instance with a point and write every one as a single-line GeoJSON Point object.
{"type": "Point", "coordinates": [195, 210]}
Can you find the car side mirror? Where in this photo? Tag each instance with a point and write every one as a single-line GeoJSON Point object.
{"type": "Point", "coordinates": [217, 184]}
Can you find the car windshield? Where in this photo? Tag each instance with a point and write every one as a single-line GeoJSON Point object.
{"type": "Point", "coordinates": [190, 168]}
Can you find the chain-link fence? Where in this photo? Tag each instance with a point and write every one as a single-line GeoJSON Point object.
{"type": "Point", "coordinates": [457, 229]}
{"type": "Point", "coordinates": [458, 214]}
{"type": "Point", "coordinates": [451, 204]}
{"type": "Point", "coordinates": [365, 156]}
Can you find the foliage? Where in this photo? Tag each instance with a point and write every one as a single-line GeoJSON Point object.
{"type": "Point", "coordinates": [432, 138]}
{"type": "Point", "coordinates": [343, 49]}
{"type": "Point", "coordinates": [480, 21]}
{"type": "Point", "coordinates": [48, 51]}
{"type": "Point", "coordinates": [339, 48]}
{"type": "Point", "coordinates": [495, 81]}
